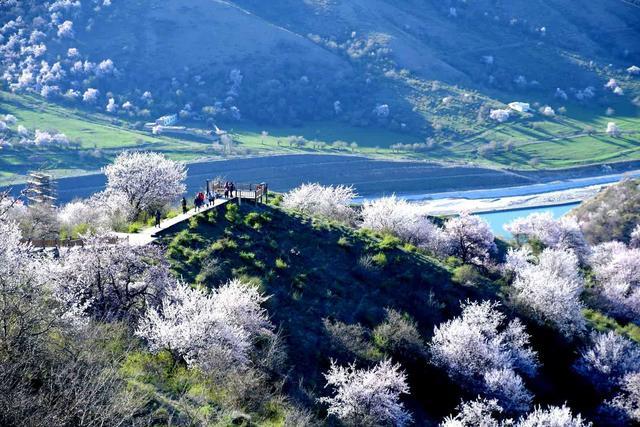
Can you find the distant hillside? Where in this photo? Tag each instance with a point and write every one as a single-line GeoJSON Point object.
{"type": "Point", "coordinates": [290, 61]}
{"type": "Point", "coordinates": [437, 76]}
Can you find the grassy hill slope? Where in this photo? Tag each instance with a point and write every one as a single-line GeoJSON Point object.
{"type": "Point", "coordinates": [330, 286]}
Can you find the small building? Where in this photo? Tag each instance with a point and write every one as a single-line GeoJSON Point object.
{"type": "Point", "coordinates": [521, 107]}
{"type": "Point", "coordinates": [169, 120]}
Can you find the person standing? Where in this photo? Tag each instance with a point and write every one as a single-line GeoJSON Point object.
{"type": "Point", "coordinates": [158, 218]}
{"type": "Point", "coordinates": [184, 205]}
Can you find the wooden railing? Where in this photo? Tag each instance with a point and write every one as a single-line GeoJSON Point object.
{"type": "Point", "coordinates": [254, 192]}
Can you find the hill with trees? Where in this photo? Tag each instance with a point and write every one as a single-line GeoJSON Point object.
{"type": "Point", "coordinates": [310, 310]}
{"type": "Point", "coordinates": [438, 74]}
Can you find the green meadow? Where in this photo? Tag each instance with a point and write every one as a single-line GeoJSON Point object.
{"type": "Point", "coordinates": [574, 139]}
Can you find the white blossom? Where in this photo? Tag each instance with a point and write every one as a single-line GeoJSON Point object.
{"type": "Point", "coordinates": [612, 129]}
{"type": "Point", "coordinates": [196, 325]}
{"type": "Point", "coordinates": [368, 396]}
{"type": "Point", "coordinates": [476, 413]}
{"type": "Point", "coordinates": [332, 202]}
{"type": "Point", "coordinates": [112, 107]}
{"type": "Point", "coordinates": [499, 115]}
{"type": "Point", "coordinates": [628, 400]}
{"type": "Point", "coordinates": [149, 180]}
{"type": "Point", "coordinates": [563, 233]}
{"type": "Point", "coordinates": [109, 281]}
{"type": "Point", "coordinates": [609, 358]}
{"type": "Point", "coordinates": [90, 95]}
{"type": "Point", "coordinates": [617, 272]}
{"type": "Point", "coordinates": [381, 110]}
{"type": "Point", "coordinates": [553, 416]}
{"type": "Point", "coordinates": [551, 290]}
{"type": "Point", "coordinates": [470, 238]}
{"type": "Point", "coordinates": [404, 220]}
{"type": "Point", "coordinates": [10, 119]}
{"type": "Point", "coordinates": [105, 67]}
{"type": "Point", "coordinates": [65, 30]}
{"type": "Point", "coordinates": [485, 353]}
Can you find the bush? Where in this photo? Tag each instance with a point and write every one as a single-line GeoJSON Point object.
{"type": "Point", "coordinates": [210, 272]}
{"type": "Point", "coordinates": [389, 242]}
{"type": "Point", "coordinates": [247, 256]}
{"type": "Point", "coordinates": [343, 242]}
{"type": "Point", "coordinates": [281, 264]}
{"type": "Point", "coordinates": [380, 259]}
{"type": "Point", "coordinates": [466, 275]}
{"type": "Point", "coordinates": [233, 213]}
{"type": "Point", "coordinates": [212, 216]}
{"type": "Point", "coordinates": [253, 220]}
{"type": "Point", "coordinates": [398, 335]}
{"type": "Point", "coordinates": [134, 227]}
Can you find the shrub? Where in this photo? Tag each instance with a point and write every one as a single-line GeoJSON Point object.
{"type": "Point", "coordinates": [344, 242]}
{"type": "Point", "coordinates": [253, 220]}
{"type": "Point", "coordinates": [232, 213]}
{"type": "Point", "coordinates": [380, 259]}
{"type": "Point", "coordinates": [134, 227]}
{"type": "Point", "coordinates": [247, 256]}
{"type": "Point", "coordinates": [398, 335]}
{"type": "Point", "coordinates": [281, 264]}
{"type": "Point", "coordinates": [466, 275]}
{"type": "Point", "coordinates": [389, 242]}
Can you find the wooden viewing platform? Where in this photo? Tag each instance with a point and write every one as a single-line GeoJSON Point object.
{"type": "Point", "coordinates": [253, 192]}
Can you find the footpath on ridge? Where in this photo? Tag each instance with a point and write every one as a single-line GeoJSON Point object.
{"type": "Point", "coordinates": [149, 234]}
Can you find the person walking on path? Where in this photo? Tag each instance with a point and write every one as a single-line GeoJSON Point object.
{"type": "Point", "coordinates": [226, 190]}
{"type": "Point", "coordinates": [212, 198]}
{"type": "Point", "coordinates": [184, 205]}
{"type": "Point", "coordinates": [158, 218]}
{"type": "Point", "coordinates": [196, 203]}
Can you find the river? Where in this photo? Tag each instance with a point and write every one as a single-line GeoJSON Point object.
{"type": "Point", "coordinates": [497, 220]}
{"type": "Point", "coordinates": [414, 181]}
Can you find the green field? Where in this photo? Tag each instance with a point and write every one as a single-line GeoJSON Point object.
{"type": "Point", "coordinates": [574, 139]}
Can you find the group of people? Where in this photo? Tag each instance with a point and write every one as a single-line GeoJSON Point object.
{"type": "Point", "coordinates": [202, 200]}
{"type": "Point", "coordinates": [229, 188]}
{"type": "Point", "coordinates": [209, 199]}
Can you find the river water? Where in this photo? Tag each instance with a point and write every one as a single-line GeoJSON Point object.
{"type": "Point", "coordinates": [414, 181]}
{"type": "Point", "coordinates": [497, 220]}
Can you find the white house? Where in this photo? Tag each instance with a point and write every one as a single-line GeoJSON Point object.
{"type": "Point", "coordinates": [167, 120]}
{"type": "Point", "coordinates": [522, 107]}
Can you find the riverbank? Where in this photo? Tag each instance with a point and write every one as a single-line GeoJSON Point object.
{"type": "Point", "coordinates": [452, 206]}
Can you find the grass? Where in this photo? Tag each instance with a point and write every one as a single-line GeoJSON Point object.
{"type": "Point", "coordinates": [538, 142]}
{"type": "Point", "coordinates": [318, 272]}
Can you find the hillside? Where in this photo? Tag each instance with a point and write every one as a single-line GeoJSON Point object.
{"type": "Point", "coordinates": [329, 287]}
{"type": "Point", "coordinates": [425, 74]}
